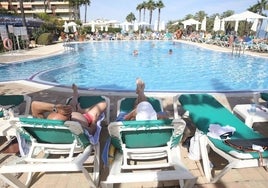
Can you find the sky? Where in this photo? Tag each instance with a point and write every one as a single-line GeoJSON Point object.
{"type": "Point", "coordinates": [173, 10]}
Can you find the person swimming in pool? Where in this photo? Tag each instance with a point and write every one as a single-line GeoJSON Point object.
{"type": "Point", "coordinates": [135, 52]}
{"type": "Point", "coordinates": [86, 117]}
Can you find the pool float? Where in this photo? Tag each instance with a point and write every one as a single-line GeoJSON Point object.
{"type": "Point", "coordinates": [8, 44]}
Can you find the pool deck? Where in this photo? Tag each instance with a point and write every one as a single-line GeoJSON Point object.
{"type": "Point", "coordinates": [247, 177]}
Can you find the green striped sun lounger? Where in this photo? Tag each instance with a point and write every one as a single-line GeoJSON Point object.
{"type": "Point", "coordinates": [141, 147]}
{"type": "Point", "coordinates": [205, 110]}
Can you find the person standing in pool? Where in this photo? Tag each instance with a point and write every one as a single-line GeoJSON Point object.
{"type": "Point", "coordinates": [86, 117]}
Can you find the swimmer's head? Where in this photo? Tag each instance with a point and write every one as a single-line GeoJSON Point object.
{"type": "Point", "coordinates": [135, 52]}
{"type": "Point", "coordinates": [57, 116]}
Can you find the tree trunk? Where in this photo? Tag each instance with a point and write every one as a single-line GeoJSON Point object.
{"type": "Point", "coordinates": [85, 13]}
{"type": "Point", "coordinates": [158, 21]}
{"type": "Point", "coordinates": [144, 15]}
{"type": "Point", "coordinates": [151, 15]}
{"type": "Point", "coordinates": [22, 14]}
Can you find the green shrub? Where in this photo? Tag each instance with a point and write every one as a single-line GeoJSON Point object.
{"type": "Point", "coordinates": [45, 39]}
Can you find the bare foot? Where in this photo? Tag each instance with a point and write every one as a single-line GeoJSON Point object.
{"type": "Point", "coordinates": [75, 90]}
{"type": "Point", "coordinates": [74, 102]}
{"type": "Point", "coordinates": [140, 86]}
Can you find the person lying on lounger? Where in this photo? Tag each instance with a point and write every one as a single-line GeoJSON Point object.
{"type": "Point", "coordinates": [86, 117]}
{"type": "Point", "coordinates": [143, 110]}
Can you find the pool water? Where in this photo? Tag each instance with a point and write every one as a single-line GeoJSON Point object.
{"type": "Point", "coordinates": [112, 66]}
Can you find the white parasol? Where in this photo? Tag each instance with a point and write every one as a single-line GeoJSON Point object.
{"type": "Point", "coordinates": [204, 24]}
{"type": "Point", "coordinates": [255, 25]}
{"type": "Point", "coordinates": [66, 27]}
{"type": "Point", "coordinates": [191, 22]}
{"type": "Point", "coordinates": [217, 24]}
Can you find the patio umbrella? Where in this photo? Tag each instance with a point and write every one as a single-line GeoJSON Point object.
{"type": "Point", "coordinates": [236, 25]}
{"type": "Point", "coordinates": [247, 15]}
{"type": "Point", "coordinates": [266, 30]}
{"type": "Point", "coordinates": [191, 22]}
{"type": "Point", "coordinates": [244, 16]}
{"type": "Point", "coordinates": [74, 29]}
{"type": "Point", "coordinates": [125, 25]}
{"type": "Point", "coordinates": [175, 23]}
{"type": "Point", "coordinates": [72, 24]}
{"type": "Point", "coordinates": [204, 24]}
{"type": "Point", "coordinates": [92, 27]}
{"type": "Point", "coordinates": [222, 25]}
{"type": "Point", "coordinates": [217, 24]}
{"type": "Point", "coordinates": [255, 25]}
{"type": "Point", "coordinates": [66, 27]}
{"type": "Point", "coordinates": [163, 26]}
{"type": "Point", "coordinates": [136, 26]}
{"type": "Point", "coordinates": [155, 25]}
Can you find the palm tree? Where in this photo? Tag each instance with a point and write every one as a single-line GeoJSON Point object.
{"type": "Point", "coordinates": [22, 14]}
{"type": "Point", "coordinates": [86, 3]}
{"type": "Point", "coordinates": [75, 4]}
{"type": "Point", "coordinates": [262, 6]}
{"type": "Point", "coordinates": [139, 8]}
{"type": "Point", "coordinates": [46, 5]}
{"type": "Point", "coordinates": [130, 17]}
{"type": "Point", "coordinates": [144, 7]}
{"type": "Point", "coordinates": [259, 8]}
{"type": "Point", "coordinates": [151, 6]}
{"type": "Point", "coordinates": [159, 5]}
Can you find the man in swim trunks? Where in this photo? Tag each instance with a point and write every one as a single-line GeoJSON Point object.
{"type": "Point", "coordinates": [86, 117]}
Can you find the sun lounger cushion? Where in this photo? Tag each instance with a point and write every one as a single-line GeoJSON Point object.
{"type": "Point", "coordinates": [86, 101]}
{"type": "Point", "coordinates": [146, 137]}
{"type": "Point", "coordinates": [264, 96]}
{"type": "Point", "coordinates": [205, 110]}
{"type": "Point", "coordinates": [11, 99]}
{"type": "Point", "coordinates": [144, 134]}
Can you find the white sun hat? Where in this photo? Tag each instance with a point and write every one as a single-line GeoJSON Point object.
{"type": "Point", "coordinates": [145, 111]}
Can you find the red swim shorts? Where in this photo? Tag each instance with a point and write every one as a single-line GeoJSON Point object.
{"type": "Point", "coordinates": [89, 118]}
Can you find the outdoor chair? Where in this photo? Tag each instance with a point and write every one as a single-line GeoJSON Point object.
{"type": "Point", "coordinates": [139, 144]}
{"type": "Point", "coordinates": [19, 104]}
{"type": "Point", "coordinates": [205, 110]}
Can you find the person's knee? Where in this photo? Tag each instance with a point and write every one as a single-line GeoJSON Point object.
{"type": "Point", "coordinates": [102, 106]}
{"type": "Point", "coordinates": [34, 104]}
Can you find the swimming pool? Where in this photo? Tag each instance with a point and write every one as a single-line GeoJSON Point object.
{"type": "Point", "coordinates": [112, 66]}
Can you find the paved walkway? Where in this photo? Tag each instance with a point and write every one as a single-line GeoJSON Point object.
{"type": "Point", "coordinates": [33, 53]}
{"type": "Point", "coordinates": [249, 177]}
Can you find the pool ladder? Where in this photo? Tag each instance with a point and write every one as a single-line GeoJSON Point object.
{"type": "Point", "coordinates": [67, 46]}
{"type": "Point", "coordinates": [237, 48]}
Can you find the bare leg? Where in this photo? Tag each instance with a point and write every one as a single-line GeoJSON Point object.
{"type": "Point", "coordinates": [74, 101]}
{"type": "Point", "coordinates": [141, 97]}
{"type": "Point", "coordinates": [95, 113]}
{"type": "Point", "coordinates": [140, 91]}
